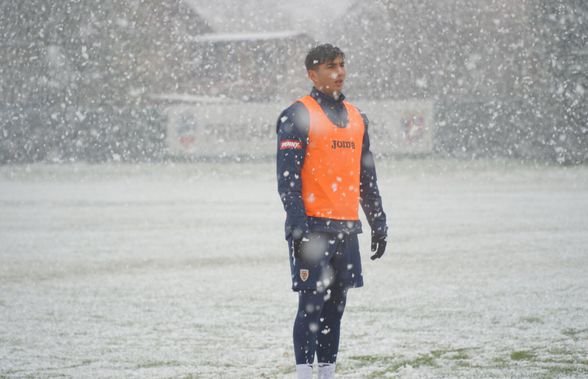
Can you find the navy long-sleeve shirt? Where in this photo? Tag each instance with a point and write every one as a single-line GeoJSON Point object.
{"type": "Point", "coordinates": [293, 126]}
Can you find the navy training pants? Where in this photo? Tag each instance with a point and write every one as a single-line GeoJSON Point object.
{"type": "Point", "coordinates": [318, 323]}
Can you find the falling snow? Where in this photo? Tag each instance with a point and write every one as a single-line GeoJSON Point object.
{"type": "Point", "coordinates": [140, 228]}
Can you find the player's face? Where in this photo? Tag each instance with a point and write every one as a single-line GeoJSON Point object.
{"type": "Point", "coordinates": [328, 77]}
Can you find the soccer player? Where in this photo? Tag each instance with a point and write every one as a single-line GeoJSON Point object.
{"type": "Point", "coordinates": [325, 170]}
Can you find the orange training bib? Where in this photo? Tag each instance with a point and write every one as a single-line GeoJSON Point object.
{"type": "Point", "coordinates": [332, 165]}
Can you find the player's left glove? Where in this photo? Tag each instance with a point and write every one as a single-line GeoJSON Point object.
{"type": "Point", "coordinates": [378, 245]}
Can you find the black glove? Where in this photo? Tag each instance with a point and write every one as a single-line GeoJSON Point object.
{"type": "Point", "coordinates": [298, 246]}
{"type": "Point", "coordinates": [378, 245]}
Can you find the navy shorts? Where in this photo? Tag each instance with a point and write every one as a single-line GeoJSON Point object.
{"type": "Point", "coordinates": [331, 260]}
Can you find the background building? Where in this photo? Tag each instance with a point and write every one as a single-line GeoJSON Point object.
{"type": "Point", "coordinates": [250, 66]}
{"type": "Point", "coordinates": [72, 76]}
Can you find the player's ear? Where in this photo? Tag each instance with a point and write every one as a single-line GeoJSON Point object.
{"type": "Point", "coordinates": [312, 75]}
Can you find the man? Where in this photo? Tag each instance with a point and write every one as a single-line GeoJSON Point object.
{"type": "Point", "coordinates": [325, 170]}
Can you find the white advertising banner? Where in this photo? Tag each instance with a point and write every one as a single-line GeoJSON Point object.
{"type": "Point", "coordinates": [225, 127]}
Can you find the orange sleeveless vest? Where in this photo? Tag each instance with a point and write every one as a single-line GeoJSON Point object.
{"type": "Point", "coordinates": [332, 165]}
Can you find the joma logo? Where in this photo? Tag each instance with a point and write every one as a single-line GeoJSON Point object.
{"type": "Point", "coordinates": [343, 144]}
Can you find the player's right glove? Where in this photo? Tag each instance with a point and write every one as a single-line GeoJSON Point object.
{"type": "Point", "coordinates": [378, 245]}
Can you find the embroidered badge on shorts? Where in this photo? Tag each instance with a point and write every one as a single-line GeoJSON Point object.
{"type": "Point", "coordinates": [304, 274]}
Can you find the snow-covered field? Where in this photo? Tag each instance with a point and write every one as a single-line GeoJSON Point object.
{"type": "Point", "coordinates": [180, 270]}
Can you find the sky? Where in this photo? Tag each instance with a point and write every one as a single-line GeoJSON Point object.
{"type": "Point", "coordinates": [236, 16]}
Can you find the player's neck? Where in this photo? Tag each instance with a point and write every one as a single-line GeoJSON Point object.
{"type": "Point", "coordinates": [331, 95]}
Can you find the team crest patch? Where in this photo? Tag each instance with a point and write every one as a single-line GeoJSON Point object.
{"type": "Point", "coordinates": [304, 274]}
{"type": "Point", "coordinates": [290, 144]}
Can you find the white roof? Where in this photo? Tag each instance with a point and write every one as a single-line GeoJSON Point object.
{"type": "Point", "coordinates": [231, 37]}
{"type": "Point", "coordinates": [186, 98]}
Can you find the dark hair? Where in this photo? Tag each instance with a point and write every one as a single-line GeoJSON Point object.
{"type": "Point", "coordinates": [321, 54]}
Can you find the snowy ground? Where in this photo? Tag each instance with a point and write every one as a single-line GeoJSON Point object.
{"type": "Point", "coordinates": [181, 271]}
